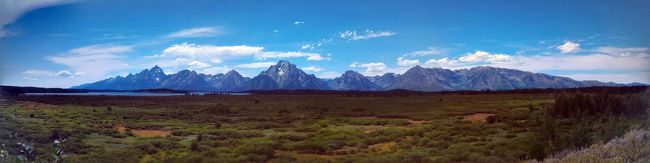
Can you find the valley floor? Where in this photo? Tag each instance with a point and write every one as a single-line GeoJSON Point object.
{"type": "Point", "coordinates": [273, 128]}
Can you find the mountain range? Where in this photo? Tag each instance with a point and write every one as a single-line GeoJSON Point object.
{"type": "Point", "coordinates": [285, 75]}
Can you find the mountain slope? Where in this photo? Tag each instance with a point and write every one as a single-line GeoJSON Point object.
{"type": "Point", "coordinates": [146, 79]}
{"type": "Point", "coordinates": [426, 79]}
{"type": "Point", "coordinates": [186, 80]}
{"type": "Point", "coordinates": [285, 75]}
{"type": "Point", "coordinates": [288, 76]}
{"type": "Point", "coordinates": [230, 82]}
{"type": "Point", "coordinates": [352, 80]}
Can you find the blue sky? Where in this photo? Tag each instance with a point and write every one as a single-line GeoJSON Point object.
{"type": "Point", "coordinates": [62, 43]}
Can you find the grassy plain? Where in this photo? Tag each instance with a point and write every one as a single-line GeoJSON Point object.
{"type": "Point", "coordinates": [274, 128]}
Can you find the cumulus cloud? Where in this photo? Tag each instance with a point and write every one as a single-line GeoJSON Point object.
{"type": "Point", "coordinates": [312, 69]}
{"type": "Point", "coordinates": [11, 10]}
{"type": "Point", "coordinates": [405, 62]}
{"type": "Point", "coordinates": [442, 62]}
{"type": "Point", "coordinates": [367, 34]}
{"type": "Point", "coordinates": [377, 68]}
{"type": "Point", "coordinates": [44, 74]}
{"type": "Point", "coordinates": [307, 47]}
{"type": "Point", "coordinates": [482, 56]}
{"type": "Point", "coordinates": [569, 47]}
{"type": "Point", "coordinates": [196, 32]}
{"type": "Point", "coordinates": [633, 61]}
{"type": "Point", "coordinates": [256, 65]}
{"type": "Point", "coordinates": [198, 65]}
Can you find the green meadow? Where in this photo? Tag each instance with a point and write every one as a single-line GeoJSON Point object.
{"type": "Point", "coordinates": [499, 127]}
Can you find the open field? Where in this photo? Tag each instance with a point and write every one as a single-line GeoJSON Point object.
{"type": "Point", "coordinates": [285, 127]}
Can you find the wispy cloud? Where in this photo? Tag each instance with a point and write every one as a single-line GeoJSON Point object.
{"type": "Point", "coordinates": [312, 69]}
{"type": "Point", "coordinates": [216, 54]}
{"type": "Point", "coordinates": [569, 47]}
{"type": "Point", "coordinates": [633, 59]}
{"type": "Point", "coordinates": [94, 61]}
{"type": "Point", "coordinates": [10, 10]}
{"type": "Point", "coordinates": [298, 22]}
{"type": "Point", "coordinates": [256, 65]}
{"type": "Point", "coordinates": [428, 52]}
{"type": "Point", "coordinates": [367, 34]}
{"type": "Point", "coordinates": [196, 32]}
{"type": "Point", "coordinates": [401, 61]}
{"type": "Point", "coordinates": [44, 74]}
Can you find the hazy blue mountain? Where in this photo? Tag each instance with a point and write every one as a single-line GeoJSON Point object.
{"type": "Point", "coordinates": [482, 78]}
{"type": "Point", "coordinates": [146, 79]}
{"type": "Point", "coordinates": [352, 80]}
{"type": "Point", "coordinates": [261, 82]}
{"type": "Point", "coordinates": [384, 80]}
{"type": "Point", "coordinates": [229, 82]}
{"type": "Point", "coordinates": [426, 79]}
{"type": "Point", "coordinates": [285, 75]}
{"type": "Point", "coordinates": [288, 76]}
{"type": "Point", "coordinates": [186, 80]}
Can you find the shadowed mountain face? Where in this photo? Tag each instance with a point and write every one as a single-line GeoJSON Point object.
{"type": "Point", "coordinates": [352, 80]}
{"type": "Point", "coordinates": [147, 79]}
{"type": "Point", "coordinates": [285, 75]}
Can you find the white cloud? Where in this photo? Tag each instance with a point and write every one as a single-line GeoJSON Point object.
{"type": "Point", "coordinates": [442, 62]}
{"type": "Point", "coordinates": [44, 74]}
{"type": "Point", "coordinates": [372, 69]}
{"type": "Point", "coordinates": [405, 62]}
{"type": "Point", "coordinates": [354, 65]}
{"type": "Point", "coordinates": [642, 77]}
{"type": "Point", "coordinates": [367, 34]}
{"type": "Point", "coordinates": [328, 75]}
{"type": "Point", "coordinates": [312, 69]}
{"type": "Point", "coordinates": [215, 70]}
{"type": "Point", "coordinates": [307, 47]}
{"type": "Point", "coordinates": [95, 60]}
{"type": "Point", "coordinates": [217, 54]}
{"type": "Point", "coordinates": [482, 56]}
{"type": "Point", "coordinates": [632, 61]}
{"type": "Point", "coordinates": [616, 51]}
{"type": "Point", "coordinates": [37, 73]}
{"type": "Point", "coordinates": [569, 47]}
{"type": "Point", "coordinates": [298, 22]}
{"type": "Point", "coordinates": [198, 65]}
{"type": "Point", "coordinates": [196, 32]}
{"type": "Point", "coordinates": [256, 65]}
{"type": "Point", "coordinates": [11, 10]}
{"type": "Point", "coordinates": [578, 62]}
{"type": "Point", "coordinates": [428, 52]}
{"type": "Point", "coordinates": [64, 74]}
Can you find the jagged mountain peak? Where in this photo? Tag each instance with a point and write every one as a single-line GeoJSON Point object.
{"type": "Point", "coordinates": [352, 80]}
{"type": "Point", "coordinates": [285, 75]}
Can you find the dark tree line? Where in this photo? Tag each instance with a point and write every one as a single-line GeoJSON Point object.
{"type": "Point", "coordinates": [578, 120]}
{"type": "Point", "coordinates": [601, 104]}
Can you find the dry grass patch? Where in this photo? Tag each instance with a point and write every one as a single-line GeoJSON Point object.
{"type": "Point", "coordinates": [143, 133]}
{"type": "Point", "coordinates": [477, 117]}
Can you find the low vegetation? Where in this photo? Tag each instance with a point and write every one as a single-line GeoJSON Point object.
{"type": "Point", "coordinates": [481, 127]}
